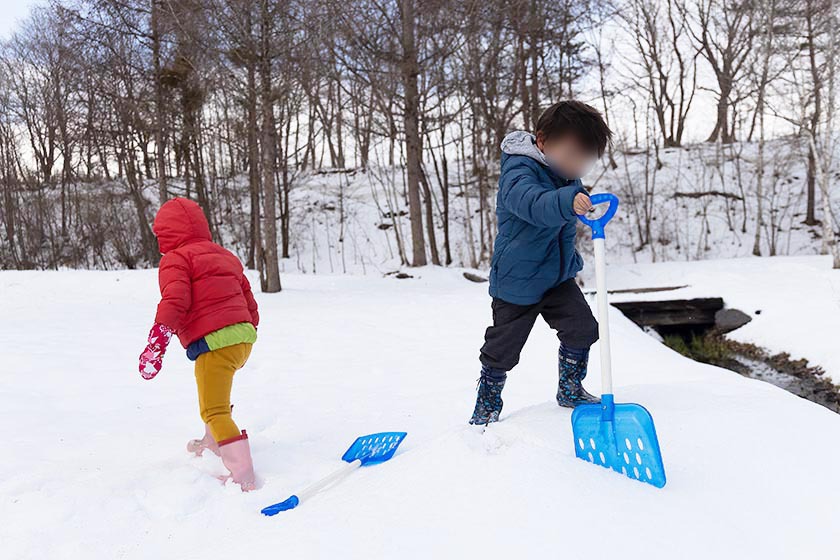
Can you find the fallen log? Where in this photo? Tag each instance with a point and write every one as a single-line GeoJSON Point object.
{"type": "Point", "coordinates": [707, 193]}
{"type": "Point", "coordinates": [640, 290]}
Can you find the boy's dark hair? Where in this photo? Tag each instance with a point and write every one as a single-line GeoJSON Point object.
{"type": "Point", "coordinates": [582, 121]}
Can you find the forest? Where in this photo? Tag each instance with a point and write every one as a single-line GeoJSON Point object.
{"type": "Point", "coordinates": [109, 107]}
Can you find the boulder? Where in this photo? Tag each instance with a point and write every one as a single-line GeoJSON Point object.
{"type": "Point", "coordinates": [727, 320]}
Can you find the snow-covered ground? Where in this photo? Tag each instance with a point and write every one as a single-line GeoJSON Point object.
{"type": "Point", "coordinates": [94, 464]}
{"type": "Point", "coordinates": [794, 302]}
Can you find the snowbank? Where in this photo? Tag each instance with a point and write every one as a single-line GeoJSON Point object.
{"type": "Point", "coordinates": [95, 467]}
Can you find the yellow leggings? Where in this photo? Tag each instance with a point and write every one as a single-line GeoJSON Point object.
{"type": "Point", "coordinates": [214, 377]}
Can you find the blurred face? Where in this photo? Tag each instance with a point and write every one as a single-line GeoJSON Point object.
{"type": "Point", "coordinates": [567, 155]}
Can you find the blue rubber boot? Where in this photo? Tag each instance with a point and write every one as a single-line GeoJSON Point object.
{"type": "Point", "coordinates": [488, 403]}
{"type": "Point", "coordinates": [572, 367]}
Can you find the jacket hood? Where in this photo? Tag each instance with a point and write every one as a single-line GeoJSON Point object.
{"type": "Point", "coordinates": [523, 143]}
{"type": "Point", "coordinates": [178, 222]}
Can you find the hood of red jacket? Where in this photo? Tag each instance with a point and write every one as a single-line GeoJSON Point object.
{"type": "Point", "coordinates": [178, 222]}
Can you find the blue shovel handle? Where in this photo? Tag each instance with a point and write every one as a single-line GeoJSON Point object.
{"type": "Point", "coordinates": [598, 224]}
{"type": "Point", "coordinates": [290, 503]}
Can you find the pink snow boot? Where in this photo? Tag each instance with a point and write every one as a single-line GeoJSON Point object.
{"type": "Point", "coordinates": [197, 446]}
{"type": "Point", "coordinates": [236, 456]}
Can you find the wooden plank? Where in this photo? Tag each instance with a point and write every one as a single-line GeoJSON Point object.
{"type": "Point", "coordinates": [672, 313]}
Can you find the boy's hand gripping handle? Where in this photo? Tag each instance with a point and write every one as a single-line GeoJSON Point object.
{"type": "Point", "coordinates": [598, 224]}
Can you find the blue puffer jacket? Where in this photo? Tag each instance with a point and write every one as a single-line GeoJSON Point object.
{"type": "Point", "coordinates": [535, 245]}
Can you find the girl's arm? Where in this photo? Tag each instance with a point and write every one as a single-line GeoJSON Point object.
{"type": "Point", "coordinates": [176, 298]}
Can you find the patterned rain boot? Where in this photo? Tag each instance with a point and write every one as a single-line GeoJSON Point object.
{"type": "Point", "coordinates": [488, 403]}
{"type": "Point", "coordinates": [236, 456]}
{"type": "Point", "coordinates": [197, 446]}
{"type": "Point", "coordinates": [572, 366]}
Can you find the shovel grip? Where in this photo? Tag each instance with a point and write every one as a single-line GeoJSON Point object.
{"type": "Point", "coordinates": [290, 503]}
{"type": "Point", "coordinates": [599, 224]}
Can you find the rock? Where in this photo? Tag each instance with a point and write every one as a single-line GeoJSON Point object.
{"type": "Point", "coordinates": [727, 320]}
{"type": "Point", "coordinates": [398, 274]}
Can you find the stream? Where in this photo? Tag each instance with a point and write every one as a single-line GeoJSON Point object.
{"type": "Point", "coordinates": [697, 328]}
{"type": "Point", "coordinates": [811, 386]}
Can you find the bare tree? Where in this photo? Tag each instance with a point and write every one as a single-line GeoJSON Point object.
{"type": "Point", "coordinates": [765, 22]}
{"type": "Point", "coordinates": [723, 33]}
{"type": "Point", "coordinates": [823, 146]}
{"type": "Point", "coordinates": [667, 73]}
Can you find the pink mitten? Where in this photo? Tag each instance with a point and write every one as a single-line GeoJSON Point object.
{"type": "Point", "coordinates": [151, 360]}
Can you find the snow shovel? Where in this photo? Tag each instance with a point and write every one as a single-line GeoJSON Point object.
{"type": "Point", "coordinates": [366, 450]}
{"type": "Point", "coordinates": [617, 436]}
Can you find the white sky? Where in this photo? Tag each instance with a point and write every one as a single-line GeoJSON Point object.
{"type": "Point", "coordinates": [12, 11]}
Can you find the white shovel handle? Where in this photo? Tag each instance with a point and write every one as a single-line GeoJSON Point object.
{"type": "Point", "coordinates": [331, 478]}
{"type": "Point", "coordinates": [295, 500]}
{"type": "Point", "coordinates": [598, 226]}
{"type": "Point", "coordinates": [603, 315]}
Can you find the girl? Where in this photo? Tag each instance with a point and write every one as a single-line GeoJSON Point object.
{"type": "Point", "coordinates": [207, 302]}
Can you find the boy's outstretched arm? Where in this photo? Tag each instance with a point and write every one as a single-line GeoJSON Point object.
{"type": "Point", "coordinates": [537, 204]}
{"type": "Point", "coordinates": [252, 303]}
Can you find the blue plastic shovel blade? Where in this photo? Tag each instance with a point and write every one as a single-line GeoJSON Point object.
{"type": "Point", "coordinates": [621, 437]}
{"type": "Point", "coordinates": [374, 448]}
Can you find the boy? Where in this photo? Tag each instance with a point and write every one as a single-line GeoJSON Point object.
{"type": "Point", "coordinates": [207, 302]}
{"type": "Point", "coordinates": [534, 260]}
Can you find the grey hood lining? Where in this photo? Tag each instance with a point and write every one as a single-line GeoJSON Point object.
{"type": "Point", "coordinates": [523, 143]}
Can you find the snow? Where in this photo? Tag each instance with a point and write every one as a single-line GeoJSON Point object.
{"type": "Point", "coordinates": [682, 227]}
{"type": "Point", "coordinates": [686, 224]}
{"type": "Point", "coordinates": [794, 302]}
{"type": "Point", "coordinates": [340, 219]}
{"type": "Point", "coordinates": [94, 464]}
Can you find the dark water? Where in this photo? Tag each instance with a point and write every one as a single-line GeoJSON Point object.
{"type": "Point", "coordinates": [807, 385]}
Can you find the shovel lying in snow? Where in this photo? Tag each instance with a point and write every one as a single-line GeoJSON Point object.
{"type": "Point", "coordinates": [617, 436]}
{"type": "Point", "coordinates": [366, 450]}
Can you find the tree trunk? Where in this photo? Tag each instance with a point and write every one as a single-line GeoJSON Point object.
{"type": "Point", "coordinates": [409, 70]}
{"type": "Point", "coordinates": [830, 245]}
{"type": "Point", "coordinates": [722, 129]}
{"type": "Point", "coordinates": [430, 220]}
{"type": "Point", "coordinates": [160, 137]}
{"type": "Point", "coordinates": [255, 242]}
{"type": "Point", "coordinates": [269, 157]}
{"type": "Point", "coordinates": [810, 212]}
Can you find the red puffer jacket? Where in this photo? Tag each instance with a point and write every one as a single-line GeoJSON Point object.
{"type": "Point", "coordinates": [202, 285]}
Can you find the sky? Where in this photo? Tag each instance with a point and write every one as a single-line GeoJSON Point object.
{"type": "Point", "coordinates": [11, 11]}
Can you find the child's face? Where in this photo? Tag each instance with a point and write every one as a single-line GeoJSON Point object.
{"type": "Point", "coordinates": [567, 155]}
